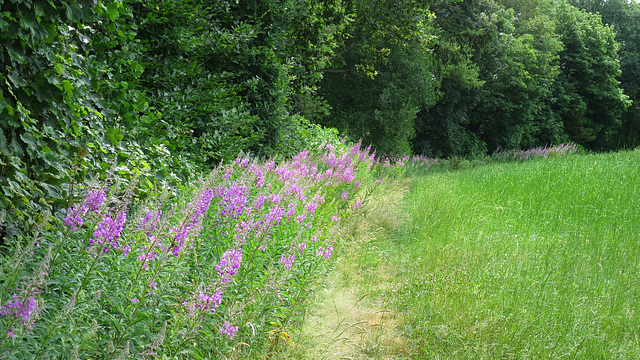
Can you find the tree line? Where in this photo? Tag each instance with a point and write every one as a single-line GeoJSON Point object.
{"type": "Point", "coordinates": [155, 90]}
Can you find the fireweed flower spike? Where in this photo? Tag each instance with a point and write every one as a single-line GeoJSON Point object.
{"type": "Point", "coordinates": [324, 252]}
{"type": "Point", "coordinates": [229, 262]}
{"type": "Point", "coordinates": [228, 330]}
{"type": "Point", "coordinates": [88, 208]}
{"type": "Point", "coordinates": [178, 235]}
{"type": "Point", "coordinates": [287, 261]}
{"type": "Point", "coordinates": [150, 221]}
{"type": "Point", "coordinates": [20, 307]}
{"type": "Point", "coordinates": [235, 201]}
{"type": "Point", "coordinates": [149, 254]}
{"type": "Point", "coordinates": [210, 300]}
{"type": "Point", "coordinates": [108, 232]}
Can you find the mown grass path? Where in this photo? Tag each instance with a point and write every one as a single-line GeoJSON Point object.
{"type": "Point", "coordinates": [533, 260]}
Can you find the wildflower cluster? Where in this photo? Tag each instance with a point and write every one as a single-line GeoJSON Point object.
{"type": "Point", "coordinates": [237, 251]}
{"type": "Point", "coordinates": [20, 307]}
{"type": "Point", "coordinates": [277, 216]}
{"type": "Point", "coordinates": [540, 152]}
{"type": "Point", "coordinates": [77, 214]}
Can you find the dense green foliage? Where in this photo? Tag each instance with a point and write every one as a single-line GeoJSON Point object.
{"type": "Point", "coordinates": [224, 74]}
{"type": "Point", "coordinates": [381, 76]}
{"type": "Point", "coordinates": [520, 74]}
{"type": "Point", "coordinates": [69, 105]}
{"type": "Point", "coordinates": [162, 89]}
{"type": "Point", "coordinates": [624, 17]}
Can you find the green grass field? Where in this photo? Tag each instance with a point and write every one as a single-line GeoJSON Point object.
{"type": "Point", "coordinates": [533, 260]}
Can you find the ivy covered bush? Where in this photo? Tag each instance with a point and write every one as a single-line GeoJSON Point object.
{"type": "Point", "coordinates": [155, 91]}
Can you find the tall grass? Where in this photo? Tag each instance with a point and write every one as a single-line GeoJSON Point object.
{"type": "Point", "coordinates": [518, 261]}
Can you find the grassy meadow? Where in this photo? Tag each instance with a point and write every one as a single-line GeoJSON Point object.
{"type": "Point", "coordinates": [521, 260]}
{"type": "Point", "coordinates": [338, 254]}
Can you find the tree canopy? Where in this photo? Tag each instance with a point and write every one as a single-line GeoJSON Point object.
{"type": "Point", "coordinates": [158, 89]}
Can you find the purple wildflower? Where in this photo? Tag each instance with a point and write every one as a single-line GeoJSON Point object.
{"type": "Point", "coordinates": [179, 238]}
{"type": "Point", "coordinates": [355, 149]}
{"type": "Point", "coordinates": [328, 251]}
{"type": "Point", "coordinates": [348, 175]}
{"type": "Point", "coordinates": [150, 221]}
{"type": "Point", "coordinates": [228, 330]}
{"type": "Point", "coordinates": [108, 231]}
{"type": "Point", "coordinates": [202, 205]}
{"type": "Point", "coordinates": [274, 216]}
{"type": "Point", "coordinates": [287, 261]}
{"type": "Point", "coordinates": [292, 210]}
{"type": "Point", "coordinates": [244, 163]}
{"type": "Point", "coordinates": [90, 206]}
{"type": "Point", "coordinates": [209, 301]}
{"type": "Point", "coordinates": [311, 207]}
{"type": "Point", "coordinates": [324, 252]}
{"type": "Point", "coordinates": [270, 165]}
{"type": "Point", "coordinates": [259, 202]}
{"type": "Point", "coordinates": [228, 172]}
{"type": "Point", "coordinates": [191, 306]}
{"type": "Point", "coordinates": [149, 253]}
{"type": "Point", "coordinates": [275, 198]}
{"type": "Point", "coordinates": [234, 201]}
{"type": "Point", "coordinates": [20, 307]}
{"type": "Point", "coordinates": [229, 262]}
{"type": "Point", "coordinates": [153, 286]}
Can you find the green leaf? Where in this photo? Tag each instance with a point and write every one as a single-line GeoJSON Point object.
{"type": "Point", "coordinates": [16, 79]}
{"type": "Point", "coordinates": [112, 11]}
{"type": "Point", "coordinates": [16, 55]}
{"type": "Point", "coordinates": [30, 140]}
{"type": "Point", "coordinates": [68, 87]}
{"type": "Point", "coordinates": [3, 143]}
{"type": "Point", "coordinates": [114, 136]}
{"type": "Point", "coordinates": [52, 191]}
{"type": "Point", "coordinates": [3, 103]}
{"type": "Point", "coordinates": [4, 26]}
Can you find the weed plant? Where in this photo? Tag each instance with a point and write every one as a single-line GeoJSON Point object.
{"type": "Point", "coordinates": [419, 165]}
{"type": "Point", "coordinates": [536, 153]}
{"type": "Point", "coordinates": [222, 270]}
{"type": "Point", "coordinates": [535, 260]}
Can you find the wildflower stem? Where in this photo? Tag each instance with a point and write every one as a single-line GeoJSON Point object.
{"type": "Point", "coordinates": [63, 314]}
